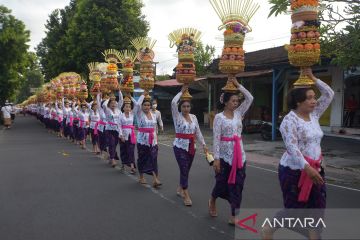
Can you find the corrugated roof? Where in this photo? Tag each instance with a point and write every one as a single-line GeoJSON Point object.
{"type": "Point", "coordinates": [172, 82]}
{"type": "Point", "coordinates": [244, 74]}
{"type": "Point", "coordinates": [259, 60]}
{"type": "Point", "coordinates": [266, 56]}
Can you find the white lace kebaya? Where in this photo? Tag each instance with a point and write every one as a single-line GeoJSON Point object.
{"type": "Point", "coordinates": [94, 116]}
{"type": "Point", "coordinates": [112, 117]}
{"type": "Point", "coordinates": [126, 121]}
{"type": "Point", "coordinates": [59, 112]}
{"type": "Point", "coordinates": [144, 122]}
{"type": "Point", "coordinates": [53, 113]}
{"type": "Point", "coordinates": [225, 127]}
{"type": "Point", "coordinates": [183, 126]}
{"type": "Point", "coordinates": [47, 112]}
{"type": "Point", "coordinates": [83, 116]}
{"type": "Point", "coordinates": [159, 121]}
{"type": "Point", "coordinates": [303, 138]}
{"type": "Point", "coordinates": [66, 110]}
{"type": "Point", "coordinates": [69, 117]}
{"type": "Point", "coordinates": [103, 119]}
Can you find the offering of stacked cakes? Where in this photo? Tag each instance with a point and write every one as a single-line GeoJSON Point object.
{"type": "Point", "coordinates": [94, 76]}
{"type": "Point", "coordinates": [112, 60]}
{"type": "Point", "coordinates": [235, 16]}
{"type": "Point", "coordinates": [83, 92]}
{"type": "Point", "coordinates": [304, 48]}
{"type": "Point", "coordinates": [232, 57]}
{"type": "Point", "coordinates": [102, 67]}
{"type": "Point", "coordinates": [127, 59]}
{"type": "Point", "coordinates": [186, 40]}
{"type": "Point", "coordinates": [145, 55]}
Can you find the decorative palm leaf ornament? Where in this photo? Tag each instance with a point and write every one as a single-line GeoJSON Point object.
{"type": "Point", "coordinates": [235, 11]}
{"type": "Point", "coordinates": [175, 37]}
{"type": "Point", "coordinates": [126, 55]}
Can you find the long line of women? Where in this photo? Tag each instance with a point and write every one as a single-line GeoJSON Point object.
{"type": "Point", "coordinates": [301, 174]}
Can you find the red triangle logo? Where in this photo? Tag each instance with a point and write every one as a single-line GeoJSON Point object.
{"type": "Point", "coordinates": [251, 228]}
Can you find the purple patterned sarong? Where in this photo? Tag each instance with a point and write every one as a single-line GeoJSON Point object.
{"type": "Point", "coordinates": [127, 153]}
{"type": "Point", "coordinates": [81, 133]}
{"type": "Point", "coordinates": [289, 186]}
{"type": "Point", "coordinates": [230, 192]}
{"type": "Point", "coordinates": [113, 140]}
{"type": "Point", "coordinates": [184, 160]}
{"type": "Point", "coordinates": [102, 141]}
{"type": "Point", "coordinates": [147, 159]}
{"type": "Point", "coordinates": [94, 138]}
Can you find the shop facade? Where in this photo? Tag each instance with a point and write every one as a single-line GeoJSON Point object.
{"type": "Point", "coordinates": [269, 77]}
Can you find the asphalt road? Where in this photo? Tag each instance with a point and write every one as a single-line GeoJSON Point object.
{"type": "Point", "coordinates": [51, 189]}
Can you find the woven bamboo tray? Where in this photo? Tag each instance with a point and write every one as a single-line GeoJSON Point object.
{"type": "Point", "coordinates": [231, 67]}
{"type": "Point", "coordinates": [304, 58]}
{"type": "Point", "coordinates": [185, 78]}
{"type": "Point", "coordinates": [304, 16]}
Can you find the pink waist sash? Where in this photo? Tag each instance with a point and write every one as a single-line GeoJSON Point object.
{"type": "Point", "coordinates": [82, 122]}
{"type": "Point", "coordinates": [150, 131]}
{"type": "Point", "coordinates": [237, 157]}
{"type": "Point", "coordinates": [112, 124]}
{"type": "Point", "coordinates": [305, 183]}
{"type": "Point", "coordinates": [191, 138]}
{"type": "Point", "coordinates": [71, 123]}
{"type": "Point", "coordinates": [133, 137]}
{"type": "Point", "coordinates": [97, 126]}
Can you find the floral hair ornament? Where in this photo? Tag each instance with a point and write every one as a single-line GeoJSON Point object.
{"type": "Point", "coordinates": [222, 98]}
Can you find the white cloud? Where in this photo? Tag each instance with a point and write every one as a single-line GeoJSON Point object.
{"type": "Point", "coordinates": [164, 17]}
{"type": "Point", "coordinates": [34, 14]}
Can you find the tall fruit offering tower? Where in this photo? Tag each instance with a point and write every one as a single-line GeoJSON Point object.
{"type": "Point", "coordinates": [235, 16]}
{"type": "Point", "coordinates": [127, 59]}
{"type": "Point", "coordinates": [95, 77]}
{"type": "Point", "coordinates": [186, 40]}
{"type": "Point", "coordinates": [304, 48]}
{"type": "Point", "coordinates": [145, 55]}
{"type": "Point", "coordinates": [112, 60]}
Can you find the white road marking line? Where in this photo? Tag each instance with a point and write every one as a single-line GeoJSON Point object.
{"type": "Point", "coordinates": [261, 168]}
{"type": "Point", "coordinates": [273, 171]}
{"type": "Point", "coordinates": [159, 194]}
{"type": "Point", "coordinates": [347, 188]}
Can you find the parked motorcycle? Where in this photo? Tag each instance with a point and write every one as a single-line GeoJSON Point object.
{"type": "Point", "coordinates": [266, 129]}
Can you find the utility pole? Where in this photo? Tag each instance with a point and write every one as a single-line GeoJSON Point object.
{"type": "Point", "coordinates": [155, 63]}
